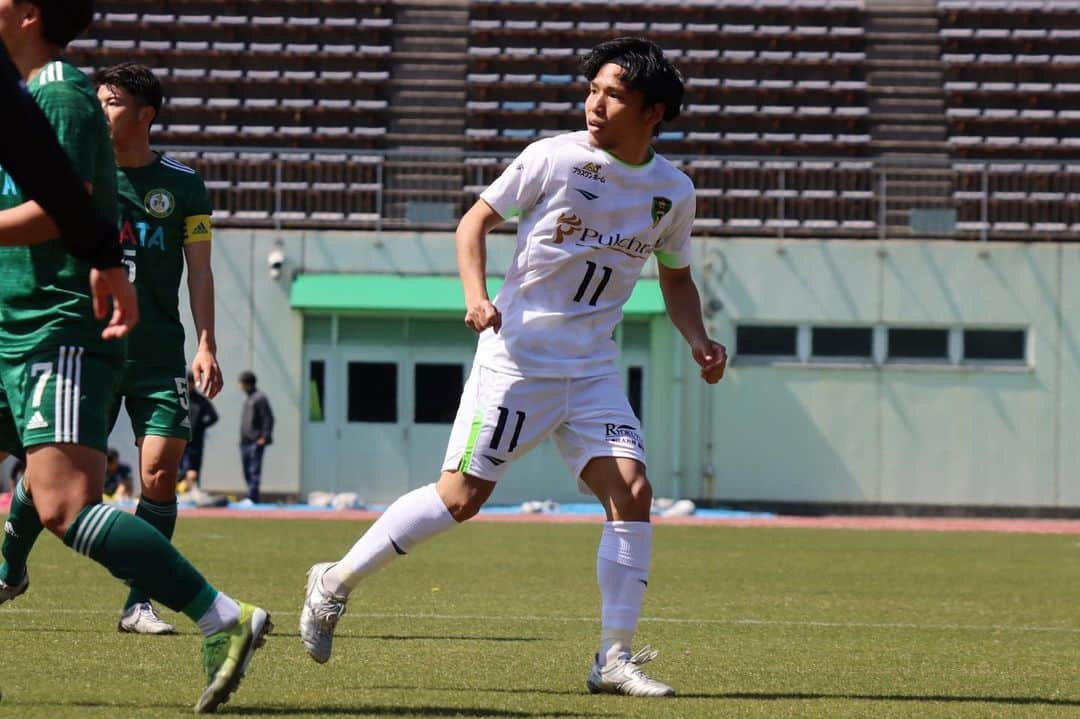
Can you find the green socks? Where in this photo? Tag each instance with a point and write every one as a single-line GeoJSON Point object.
{"type": "Point", "coordinates": [162, 517]}
{"type": "Point", "coordinates": [20, 532]}
{"type": "Point", "coordinates": [140, 555]}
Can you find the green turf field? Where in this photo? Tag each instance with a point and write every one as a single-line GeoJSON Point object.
{"type": "Point", "coordinates": [499, 620]}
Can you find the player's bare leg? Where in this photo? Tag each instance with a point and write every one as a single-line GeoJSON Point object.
{"type": "Point", "coordinates": [622, 570]}
{"type": "Point", "coordinates": [159, 462]}
{"type": "Point", "coordinates": [411, 519]}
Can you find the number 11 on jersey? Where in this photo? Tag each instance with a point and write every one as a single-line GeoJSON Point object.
{"type": "Point", "coordinates": [588, 279]}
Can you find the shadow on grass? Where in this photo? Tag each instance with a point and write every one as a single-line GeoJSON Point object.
{"type": "Point", "coordinates": [313, 711]}
{"type": "Point", "coordinates": [779, 696]}
{"type": "Point", "coordinates": [947, 698]}
{"type": "Point", "coordinates": [413, 637]}
{"type": "Point", "coordinates": [424, 710]}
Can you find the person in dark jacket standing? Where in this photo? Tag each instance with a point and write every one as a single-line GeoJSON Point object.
{"type": "Point", "coordinates": [256, 431]}
{"type": "Point", "coordinates": [201, 415]}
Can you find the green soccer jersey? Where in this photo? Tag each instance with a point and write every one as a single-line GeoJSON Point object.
{"type": "Point", "coordinates": [44, 291]}
{"type": "Point", "coordinates": [163, 207]}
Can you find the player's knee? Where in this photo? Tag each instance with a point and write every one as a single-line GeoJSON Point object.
{"type": "Point", "coordinates": [640, 495]}
{"type": "Point", "coordinates": [56, 518]}
{"type": "Point", "coordinates": [465, 506]}
{"type": "Point", "coordinates": [159, 484]}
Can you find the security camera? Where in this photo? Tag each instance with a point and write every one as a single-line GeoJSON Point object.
{"type": "Point", "coordinates": [275, 261]}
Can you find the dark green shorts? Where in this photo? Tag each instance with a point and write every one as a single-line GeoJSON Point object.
{"type": "Point", "coordinates": [57, 396]}
{"type": "Point", "coordinates": [156, 399]}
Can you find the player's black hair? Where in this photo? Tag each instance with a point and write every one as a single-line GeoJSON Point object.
{"type": "Point", "coordinates": [644, 68]}
{"type": "Point", "coordinates": [138, 80]}
{"type": "Point", "coordinates": [112, 455]}
{"type": "Point", "coordinates": [247, 377]}
{"type": "Point", "coordinates": [64, 20]}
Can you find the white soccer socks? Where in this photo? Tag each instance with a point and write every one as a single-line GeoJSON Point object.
{"type": "Point", "coordinates": [622, 570]}
{"type": "Point", "coordinates": [413, 518]}
{"type": "Point", "coordinates": [223, 613]}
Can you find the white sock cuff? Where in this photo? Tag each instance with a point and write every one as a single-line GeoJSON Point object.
{"type": "Point", "coordinates": [627, 543]}
{"type": "Point", "coordinates": [436, 506]}
{"type": "Point", "coordinates": [222, 614]}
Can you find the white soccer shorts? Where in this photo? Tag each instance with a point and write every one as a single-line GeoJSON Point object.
{"type": "Point", "coordinates": [501, 417]}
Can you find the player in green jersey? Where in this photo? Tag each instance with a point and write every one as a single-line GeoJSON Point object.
{"type": "Point", "coordinates": [58, 375]}
{"type": "Point", "coordinates": [164, 224]}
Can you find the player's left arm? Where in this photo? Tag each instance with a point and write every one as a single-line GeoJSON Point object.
{"type": "Point", "coordinates": [681, 297]}
{"type": "Point", "coordinates": [200, 279]}
{"type": "Point", "coordinates": [683, 304]}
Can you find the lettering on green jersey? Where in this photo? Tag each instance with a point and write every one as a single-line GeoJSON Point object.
{"type": "Point", "coordinates": [9, 187]}
{"type": "Point", "coordinates": [142, 234]}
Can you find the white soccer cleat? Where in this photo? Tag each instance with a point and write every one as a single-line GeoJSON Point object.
{"type": "Point", "coordinates": [319, 615]}
{"type": "Point", "coordinates": [625, 676]}
{"type": "Point", "coordinates": [10, 591]}
{"type": "Point", "coordinates": [142, 618]}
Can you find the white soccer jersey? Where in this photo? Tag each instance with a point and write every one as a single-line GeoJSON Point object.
{"type": "Point", "coordinates": [588, 223]}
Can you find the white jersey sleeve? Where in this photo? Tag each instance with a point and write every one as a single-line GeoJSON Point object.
{"type": "Point", "coordinates": [673, 249]}
{"type": "Point", "coordinates": [520, 185]}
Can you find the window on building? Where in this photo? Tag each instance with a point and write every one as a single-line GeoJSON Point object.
{"type": "Point", "coordinates": [918, 344]}
{"type": "Point", "coordinates": [372, 392]}
{"type": "Point", "coordinates": [766, 340]}
{"type": "Point", "coordinates": [1000, 345]}
{"type": "Point", "coordinates": [635, 382]}
{"type": "Point", "coordinates": [317, 391]}
{"type": "Point", "coordinates": [842, 342]}
{"type": "Point", "coordinates": [438, 392]}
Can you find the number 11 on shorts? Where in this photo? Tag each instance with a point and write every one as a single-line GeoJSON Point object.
{"type": "Point", "coordinates": [500, 427]}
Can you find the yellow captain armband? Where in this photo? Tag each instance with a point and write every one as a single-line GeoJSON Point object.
{"type": "Point", "coordinates": [197, 228]}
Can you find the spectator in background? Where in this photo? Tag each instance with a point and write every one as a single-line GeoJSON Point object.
{"type": "Point", "coordinates": [256, 431]}
{"type": "Point", "coordinates": [201, 414]}
{"type": "Point", "coordinates": [117, 476]}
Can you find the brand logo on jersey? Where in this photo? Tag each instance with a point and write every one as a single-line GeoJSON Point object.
{"type": "Point", "coordinates": [160, 203]}
{"type": "Point", "coordinates": [494, 460]}
{"type": "Point", "coordinates": [660, 207]}
{"type": "Point", "coordinates": [590, 171]}
{"type": "Point", "coordinates": [631, 246]}
{"type": "Point", "coordinates": [623, 434]}
{"type": "Point", "coordinates": [566, 226]}
{"type": "Point", "coordinates": [586, 194]}
{"type": "Point", "coordinates": [142, 234]}
{"type": "Point", "coordinates": [37, 421]}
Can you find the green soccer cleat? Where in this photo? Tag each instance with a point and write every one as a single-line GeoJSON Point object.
{"type": "Point", "coordinates": [226, 656]}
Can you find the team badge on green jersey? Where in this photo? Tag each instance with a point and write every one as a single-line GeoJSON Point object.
{"type": "Point", "coordinates": [160, 203]}
{"type": "Point", "coordinates": [660, 207]}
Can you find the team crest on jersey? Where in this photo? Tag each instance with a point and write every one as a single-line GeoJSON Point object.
{"type": "Point", "coordinates": [566, 226]}
{"type": "Point", "coordinates": [160, 203]}
{"type": "Point", "coordinates": [590, 171]}
{"type": "Point", "coordinates": [660, 207]}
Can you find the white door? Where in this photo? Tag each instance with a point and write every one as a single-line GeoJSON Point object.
{"type": "Point", "coordinates": [436, 377]}
{"type": "Point", "coordinates": [372, 445]}
{"type": "Point", "coordinates": [322, 397]}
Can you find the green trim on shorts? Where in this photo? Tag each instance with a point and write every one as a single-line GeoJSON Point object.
{"type": "Point", "coordinates": [470, 444]}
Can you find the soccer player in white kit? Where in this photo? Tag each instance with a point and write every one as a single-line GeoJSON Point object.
{"type": "Point", "coordinates": [593, 206]}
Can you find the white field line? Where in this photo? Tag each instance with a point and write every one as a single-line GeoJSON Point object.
{"type": "Point", "coordinates": [645, 620]}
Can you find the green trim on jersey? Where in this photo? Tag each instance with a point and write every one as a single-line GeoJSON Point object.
{"type": "Point", "coordinates": [156, 201]}
{"type": "Point", "coordinates": [44, 292]}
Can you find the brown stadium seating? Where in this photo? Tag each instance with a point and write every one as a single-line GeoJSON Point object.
{"type": "Point", "coordinates": [1011, 79]}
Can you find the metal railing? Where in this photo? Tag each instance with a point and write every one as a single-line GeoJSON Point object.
{"type": "Point", "coordinates": [746, 196]}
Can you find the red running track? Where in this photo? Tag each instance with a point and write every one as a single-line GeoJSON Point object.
{"type": "Point", "coordinates": [908, 524]}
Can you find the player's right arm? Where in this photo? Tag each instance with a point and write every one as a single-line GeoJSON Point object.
{"type": "Point", "coordinates": [471, 243]}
